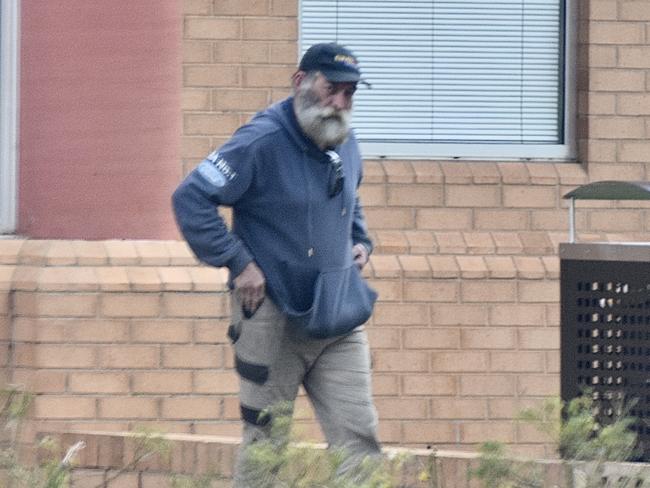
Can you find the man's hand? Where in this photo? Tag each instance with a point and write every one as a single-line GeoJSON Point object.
{"type": "Point", "coordinates": [250, 287]}
{"type": "Point", "coordinates": [360, 255]}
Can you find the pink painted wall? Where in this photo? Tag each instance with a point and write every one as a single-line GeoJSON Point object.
{"type": "Point", "coordinates": [100, 118]}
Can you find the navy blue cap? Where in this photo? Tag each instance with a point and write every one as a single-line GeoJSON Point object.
{"type": "Point", "coordinates": [337, 63]}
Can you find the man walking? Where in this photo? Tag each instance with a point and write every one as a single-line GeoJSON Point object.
{"type": "Point", "coordinates": [295, 251]}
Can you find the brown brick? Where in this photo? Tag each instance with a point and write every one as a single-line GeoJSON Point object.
{"type": "Point", "coordinates": [488, 338]}
{"type": "Point", "coordinates": [616, 33]}
{"type": "Point", "coordinates": [443, 219]}
{"type": "Point", "coordinates": [240, 99]}
{"type": "Point", "coordinates": [634, 151]}
{"type": "Point", "coordinates": [197, 7]}
{"type": "Point", "coordinates": [130, 305]}
{"type": "Point", "coordinates": [458, 408]}
{"type": "Point", "coordinates": [597, 103]}
{"type": "Point", "coordinates": [529, 267]}
{"type": "Point", "coordinates": [390, 218]}
{"type": "Point", "coordinates": [194, 305]}
{"type": "Point", "coordinates": [634, 57]}
{"type": "Point", "coordinates": [487, 385]}
{"type": "Point", "coordinates": [386, 266]}
{"type": "Point", "coordinates": [267, 76]}
{"type": "Point", "coordinates": [64, 407]}
{"type": "Point", "coordinates": [428, 385]}
{"type": "Point", "coordinates": [615, 220]}
{"type": "Point", "coordinates": [162, 382]}
{"type": "Point", "coordinates": [197, 52]}
{"type": "Point", "coordinates": [283, 53]}
{"type": "Point", "coordinates": [401, 314]}
{"type": "Point", "coordinates": [633, 104]}
{"type": "Point", "coordinates": [485, 173]}
{"type": "Point", "coordinates": [479, 242]}
{"type": "Point", "coordinates": [122, 407]}
{"type": "Point", "coordinates": [461, 362]}
{"type": "Point", "coordinates": [55, 304]}
{"type": "Point", "coordinates": [473, 432]}
{"type": "Point", "coordinates": [544, 291]}
{"type": "Point", "coordinates": [554, 220]}
{"type": "Point", "coordinates": [191, 408]}
{"type": "Point", "coordinates": [431, 291]}
{"type": "Point", "coordinates": [62, 356]}
{"type": "Point", "coordinates": [385, 385]}
{"type": "Point", "coordinates": [195, 99]}
{"type": "Point", "coordinates": [241, 8]}
{"type": "Point", "coordinates": [615, 80]}
{"type": "Point", "coordinates": [414, 195]}
{"type": "Point", "coordinates": [459, 314]}
{"type": "Point", "coordinates": [210, 124]}
{"type": "Point", "coordinates": [372, 195]}
{"type": "Point", "coordinates": [85, 382]}
{"type": "Point", "coordinates": [40, 381]}
{"type": "Point", "coordinates": [208, 278]}
{"type": "Point", "coordinates": [487, 291]}
{"type": "Point", "coordinates": [427, 172]}
{"type": "Point", "coordinates": [216, 382]}
{"type": "Point", "coordinates": [617, 128]}
{"type": "Point", "coordinates": [527, 196]}
{"type": "Point", "coordinates": [190, 357]}
{"type": "Point", "coordinates": [399, 171]}
{"type": "Point", "coordinates": [451, 243]}
{"type": "Point", "coordinates": [437, 338]}
{"type": "Point", "coordinates": [288, 8]}
{"type": "Point", "coordinates": [195, 147]}
{"type": "Point", "coordinates": [517, 315]}
{"type": "Point", "coordinates": [634, 10]}
{"type": "Point", "coordinates": [384, 337]}
{"type": "Point", "coordinates": [112, 278]}
{"type": "Point", "coordinates": [402, 408]}
{"type": "Point", "coordinates": [458, 173]}
{"type": "Point", "coordinates": [472, 196]}
{"type": "Point", "coordinates": [270, 29]}
{"type": "Point", "coordinates": [538, 385]}
{"type": "Point", "coordinates": [507, 243]}
{"type": "Point", "coordinates": [211, 331]}
{"type": "Point", "coordinates": [500, 267]}
{"type": "Point", "coordinates": [129, 357]}
{"type": "Point", "coordinates": [472, 267]}
{"type": "Point", "coordinates": [212, 28]}
{"type": "Point", "coordinates": [517, 362]}
{"type": "Point", "coordinates": [407, 361]}
{"type": "Point", "coordinates": [165, 331]}
{"type": "Point", "coordinates": [444, 266]}
{"type": "Point", "coordinates": [415, 266]}
{"type": "Point", "coordinates": [429, 432]}
{"type": "Point", "coordinates": [513, 173]}
{"type": "Point", "coordinates": [539, 338]}
{"type": "Point", "coordinates": [501, 219]}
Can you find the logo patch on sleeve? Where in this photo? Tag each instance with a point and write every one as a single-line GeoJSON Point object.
{"type": "Point", "coordinates": [216, 170]}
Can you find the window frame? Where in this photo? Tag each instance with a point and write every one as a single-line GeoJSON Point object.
{"type": "Point", "coordinates": [567, 151]}
{"type": "Point", "coordinates": [9, 86]}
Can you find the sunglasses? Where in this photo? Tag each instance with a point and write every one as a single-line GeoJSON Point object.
{"type": "Point", "coordinates": [335, 183]}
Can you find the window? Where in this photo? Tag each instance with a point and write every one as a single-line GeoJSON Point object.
{"type": "Point", "coordinates": [455, 78]}
{"type": "Point", "coordinates": [8, 114]}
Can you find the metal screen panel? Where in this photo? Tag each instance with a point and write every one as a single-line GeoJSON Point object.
{"type": "Point", "coordinates": [605, 338]}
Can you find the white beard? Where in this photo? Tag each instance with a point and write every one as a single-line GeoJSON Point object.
{"type": "Point", "coordinates": [326, 126]}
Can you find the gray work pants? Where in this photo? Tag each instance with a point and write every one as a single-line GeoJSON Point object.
{"type": "Point", "coordinates": [273, 362]}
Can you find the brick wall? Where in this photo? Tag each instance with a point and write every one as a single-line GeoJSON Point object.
{"type": "Point", "coordinates": [113, 334]}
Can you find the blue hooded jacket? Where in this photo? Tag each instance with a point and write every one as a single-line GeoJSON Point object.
{"type": "Point", "coordinates": [276, 181]}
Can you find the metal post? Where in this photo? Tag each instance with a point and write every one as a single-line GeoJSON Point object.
{"type": "Point", "coordinates": [572, 220]}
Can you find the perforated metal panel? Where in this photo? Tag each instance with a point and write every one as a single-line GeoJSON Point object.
{"type": "Point", "coordinates": [605, 322]}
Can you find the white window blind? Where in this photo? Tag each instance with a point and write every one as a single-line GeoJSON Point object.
{"type": "Point", "coordinates": [456, 77]}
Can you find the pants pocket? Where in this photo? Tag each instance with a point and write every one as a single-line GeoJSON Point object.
{"type": "Point", "coordinates": [256, 341]}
